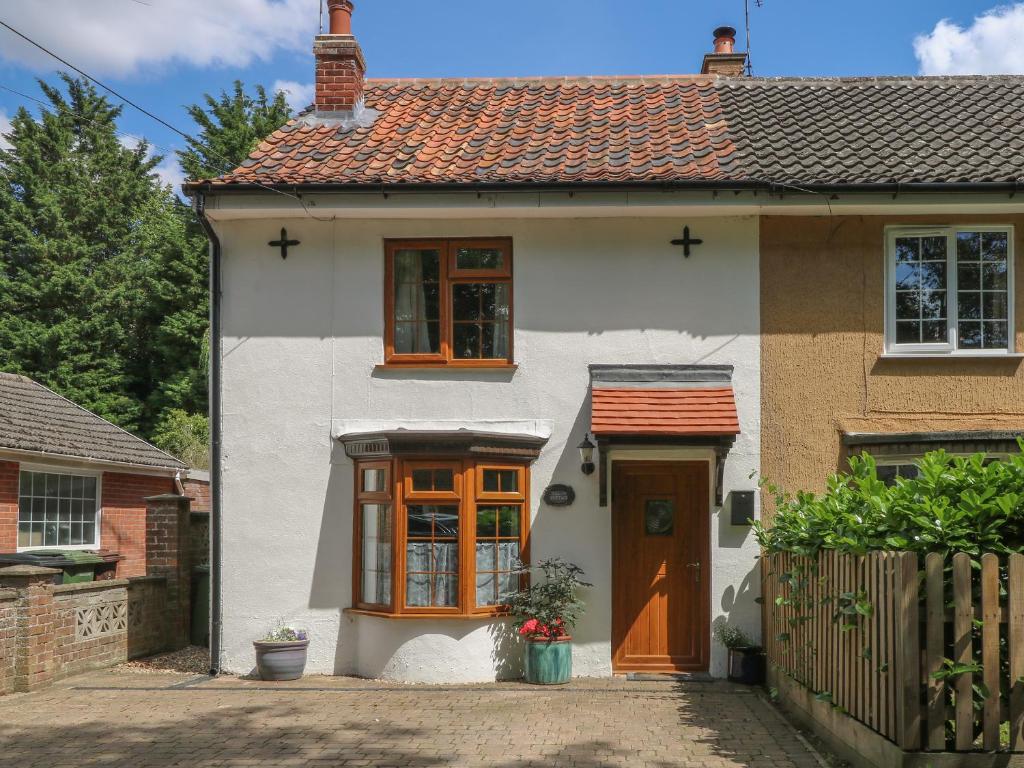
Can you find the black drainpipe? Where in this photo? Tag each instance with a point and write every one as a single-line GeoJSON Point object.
{"type": "Point", "coordinates": [199, 205]}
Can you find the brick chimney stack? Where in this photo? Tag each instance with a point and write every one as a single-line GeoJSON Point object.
{"type": "Point", "coordinates": [724, 60]}
{"type": "Point", "coordinates": [340, 66]}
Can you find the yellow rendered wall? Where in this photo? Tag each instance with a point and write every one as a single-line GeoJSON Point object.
{"type": "Point", "coordinates": [822, 324]}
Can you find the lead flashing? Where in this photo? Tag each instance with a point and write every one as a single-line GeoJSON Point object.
{"type": "Point", "coordinates": [654, 376]}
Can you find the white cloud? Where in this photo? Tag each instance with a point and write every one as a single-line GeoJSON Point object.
{"type": "Point", "coordinates": [5, 127]}
{"type": "Point", "coordinates": [298, 95]}
{"type": "Point", "coordinates": [168, 170]}
{"type": "Point", "coordinates": [123, 37]}
{"type": "Point", "coordinates": [991, 45]}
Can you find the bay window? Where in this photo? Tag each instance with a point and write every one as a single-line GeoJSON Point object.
{"type": "Point", "coordinates": [438, 537]}
{"type": "Point", "coordinates": [949, 290]}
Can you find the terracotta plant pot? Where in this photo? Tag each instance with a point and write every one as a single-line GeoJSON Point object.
{"type": "Point", "coordinates": [548, 662]}
{"type": "Point", "coordinates": [281, 661]}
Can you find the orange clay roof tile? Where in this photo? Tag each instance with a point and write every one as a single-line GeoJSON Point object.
{"type": "Point", "coordinates": [643, 411]}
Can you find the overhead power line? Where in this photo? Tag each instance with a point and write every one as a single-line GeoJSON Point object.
{"type": "Point", "coordinates": [191, 139]}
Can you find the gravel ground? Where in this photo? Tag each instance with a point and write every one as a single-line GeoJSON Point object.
{"type": "Point", "coordinates": [193, 660]}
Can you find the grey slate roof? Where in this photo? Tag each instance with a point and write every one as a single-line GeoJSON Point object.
{"type": "Point", "coordinates": [34, 418]}
{"type": "Point", "coordinates": [877, 130]}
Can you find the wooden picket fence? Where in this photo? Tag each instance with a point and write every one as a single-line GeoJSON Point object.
{"type": "Point", "coordinates": [869, 633]}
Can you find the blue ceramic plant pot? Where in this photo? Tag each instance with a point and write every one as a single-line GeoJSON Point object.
{"type": "Point", "coordinates": [281, 661]}
{"type": "Point", "coordinates": [548, 662]}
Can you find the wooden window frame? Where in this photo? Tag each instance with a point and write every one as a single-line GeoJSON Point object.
{"type": "Point", "coordinates": [468, 479]}
{"type": "Point", "coordinates": [387, 496]}
{"type": "Point", "coordinates": [450, 275]}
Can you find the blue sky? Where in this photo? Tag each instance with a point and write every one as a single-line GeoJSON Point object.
{"type": "Point", "coordinates": [167, 53]}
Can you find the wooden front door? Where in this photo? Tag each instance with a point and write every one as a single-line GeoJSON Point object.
{"type": "Point", "coordinates": [661, 569]}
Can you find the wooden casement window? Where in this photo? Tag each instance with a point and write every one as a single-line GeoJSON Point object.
{"type": "Point", "coordinates": [448, 302]}
{"type": "Point", "coordinates": [438, 537]}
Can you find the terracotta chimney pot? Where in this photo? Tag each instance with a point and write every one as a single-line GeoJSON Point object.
{"type": "Point", "coordinates": [725, 40]}
{"type": "Point", "coordinates": [340, 14]}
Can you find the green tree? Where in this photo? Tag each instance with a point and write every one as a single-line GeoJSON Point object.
{"type": "Point", "coordinates": [230, 127]}
{"type": "Point", "coordinates": [185, 435]}
{"type": "Point", "coordinates": [82, 224]}
{"type": "Point", "coordinates": [103, 269]}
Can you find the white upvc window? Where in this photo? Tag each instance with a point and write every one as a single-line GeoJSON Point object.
{"type": "Point", "coordinates": [949, 290]}
{"type": "Point", "coordinates": [58, 508]}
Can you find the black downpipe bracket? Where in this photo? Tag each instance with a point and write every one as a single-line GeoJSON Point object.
{"type": "Point", "coordinates": [199, 204]}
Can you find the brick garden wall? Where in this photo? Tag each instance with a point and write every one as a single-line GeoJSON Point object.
{"type": "Point", "coordinates": [52, 631]}
{"type": "Point", "coordinates": [147, 616]}
{"type": "Point", "coordinates": [90, 625]}
{"type": "Point", "coordinates": [8, 638]}
{"type": "Point", "coordinates": [49, 631]}
{"type": "Point", "coordinates": [123, 529]}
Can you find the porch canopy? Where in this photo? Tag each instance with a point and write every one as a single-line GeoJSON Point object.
{"type": "Point", "coordinates": [664, 405]}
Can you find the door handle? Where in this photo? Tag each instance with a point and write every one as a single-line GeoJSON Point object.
{"type": "Point", "coordinates": [697, 566]}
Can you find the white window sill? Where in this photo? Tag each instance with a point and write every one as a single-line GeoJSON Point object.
{"type": "Point", "coordinates": [76, 547]}
{"type": "Point", "coordinates": [952, 355]}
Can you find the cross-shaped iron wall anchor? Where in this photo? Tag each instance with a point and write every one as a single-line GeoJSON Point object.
{"type": "Point", "coordinates": [283, 243]}
{"type": "Point", "coordinates": [687, 241]}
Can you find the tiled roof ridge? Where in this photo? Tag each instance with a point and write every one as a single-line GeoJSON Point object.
{"type": "Point", "coordinates": [537, 79]}
{"type": "Point", "coordinates": [692, 77]}
{"type": "Point", "coordinates": [873, 79]}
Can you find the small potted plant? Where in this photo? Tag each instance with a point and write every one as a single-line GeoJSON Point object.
{"type": "Point", "coordinates": [281, 655]}
{"type": "Point", "coordinates": [746, 659]}
{"type": "Point", "coordinates": [544, 614]}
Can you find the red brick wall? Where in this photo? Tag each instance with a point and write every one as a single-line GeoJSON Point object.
{"type": "Point", "coordinates": [199, 492]}
{"type": "Point", "coordinates": [123, 528]}
{"type": "Point", "coordinates": [8, 639]}
{"type": "Point", "coordinates": [8, 506]}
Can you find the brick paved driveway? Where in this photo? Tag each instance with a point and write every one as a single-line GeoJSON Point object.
{"type": "Point", "coordinates": [137, 720]}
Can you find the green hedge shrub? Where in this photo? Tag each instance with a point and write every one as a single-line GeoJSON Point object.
{"type": "Point", "coordinates": [956, 504]}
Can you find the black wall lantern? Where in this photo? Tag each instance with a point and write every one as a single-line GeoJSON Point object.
{"type": "Point", "coordinates": [587, 455]}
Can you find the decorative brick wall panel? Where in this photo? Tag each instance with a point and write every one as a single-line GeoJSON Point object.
{"type": "Point", "coordinates": [8, 506]}
{"type": "Point", "coordinates": [147, 616]}
{"type": "Point", "coordinates": [8, 638]}
{"type": "Point", "coordinates": [90, 626]}
{"type": "Point", "coordinates": [123, 529]}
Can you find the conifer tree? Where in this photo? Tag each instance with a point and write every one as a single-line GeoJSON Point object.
{"type": "Point", "coordinates": [81, 217]}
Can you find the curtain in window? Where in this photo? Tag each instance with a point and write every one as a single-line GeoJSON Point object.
{"type": "Point", "coordinates": [417, 308]}
{"type": "Point", "coordinates": [433, 574]}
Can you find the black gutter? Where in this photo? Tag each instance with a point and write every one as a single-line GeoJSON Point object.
{"type": "Point", "coordinates": [771, 187]}
{"type": "Point", "coordinates": [199, 205]}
